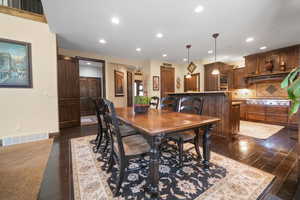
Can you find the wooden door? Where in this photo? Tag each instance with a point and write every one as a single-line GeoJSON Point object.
{"type": "Point", "coordinates": [129, 88]}
{"type": "Point", "coordinates": [193, 83]}
{"type": "Point", "coordinates": [90, 88]}
{"type": "Point", "coordinates": [68, 92]}
{"type": "Point", "coordinates": [167, 80]}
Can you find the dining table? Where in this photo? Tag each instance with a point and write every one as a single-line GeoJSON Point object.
{"type": "Point", "coordinates": [156, 124]}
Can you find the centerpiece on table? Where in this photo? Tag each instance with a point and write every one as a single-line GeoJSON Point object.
{"type": "Point", "coordinates": [141, 104]}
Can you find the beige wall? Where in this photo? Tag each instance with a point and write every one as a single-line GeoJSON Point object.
{"type": "Point", "coordinates": [154, 70]}
{"type": "Point", "coordinates": [31, 111]}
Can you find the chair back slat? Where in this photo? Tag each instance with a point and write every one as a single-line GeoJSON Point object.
{"type": "Point", "coordinates": [154, 101]}
{"type": "Point", "coordinates": [169, 103]}
{"type": "Point", "coordinates": [191, 104]}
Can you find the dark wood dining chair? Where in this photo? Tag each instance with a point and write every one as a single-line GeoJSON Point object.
{"type": "Point", "coordinates": [169, 103]}
{"type": "Point", "coordinates": [154, 102]}
{"type": "Point", "coordinates": [192, 105]}
{"type": "Point", "coordinates": [123, 148]}
{"type": "Point", "coordinates": [100, 110]}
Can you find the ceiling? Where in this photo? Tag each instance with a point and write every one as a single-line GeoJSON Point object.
{"type": "Point", "coordinates": [81, 24]}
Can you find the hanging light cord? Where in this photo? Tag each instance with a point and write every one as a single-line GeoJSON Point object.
{"type": "Point", "coordinates": [188, 55]}
{"type": "Point", "coordinates": [215, 49]}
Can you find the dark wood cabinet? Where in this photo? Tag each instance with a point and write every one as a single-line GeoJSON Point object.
{"type": "Point", "coordinates": [223, 81]}
{"type": "Point", "coordinates": [272, 114]}
{"type": "Point", "coordinates": [68, 92]}
{"type": "Point", "coordinates": [235, 118]}
{"type": "Point", "coordinates": [239, 78]}
{"type": "Point", "coordinates": [287, 57]}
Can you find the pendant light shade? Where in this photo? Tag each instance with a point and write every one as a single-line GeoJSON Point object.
{"type": "Point", "coordinates": [215, 71]}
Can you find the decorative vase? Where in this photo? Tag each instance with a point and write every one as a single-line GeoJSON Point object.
{"type": "Point", "coordinates": [269, 66]}
{"type": "Point", "coordinates": [141, 108]}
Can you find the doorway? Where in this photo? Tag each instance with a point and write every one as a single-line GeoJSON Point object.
{"type": "Point", "coordinates": [167, 80]}
{"type": "Point", "coordinates": [192, 83]}
{"type": "Point", "coordinates": [91, 88]}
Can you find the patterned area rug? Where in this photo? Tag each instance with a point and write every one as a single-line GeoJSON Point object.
{"type": "Point", "coordinates": [226, 180]}
{"type": "Point", "coordinates": [258, 130]}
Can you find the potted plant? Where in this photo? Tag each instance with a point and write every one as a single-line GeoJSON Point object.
{"type": "Point", "coordinates": [292, 83]}
{"type": "Point", "coordinates": [141, 104]}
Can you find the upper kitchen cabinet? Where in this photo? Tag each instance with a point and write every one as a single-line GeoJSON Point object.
{"type": "Point", "coordinates": [239, 78]}
{"type": "Point", "coordinates": [222, 81]}
{"type": "Point", "coordinates": [251, 63]}
{"type": "Point", "coordinates": [275, 61]}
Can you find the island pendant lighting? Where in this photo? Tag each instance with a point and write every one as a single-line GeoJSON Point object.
{"type": "Point", "coordinates": [188, 60]}
{"type": "Point", "coordinates": [215, 71]}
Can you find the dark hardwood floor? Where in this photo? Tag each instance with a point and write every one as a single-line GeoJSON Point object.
{"type": "Point", "coordinates": [276, 155]}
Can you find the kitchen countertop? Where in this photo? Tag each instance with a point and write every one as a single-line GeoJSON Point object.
{"type": "Point", "coordinates": [236, 103]}
{"type": "Point", "coordinates": [204, 92]}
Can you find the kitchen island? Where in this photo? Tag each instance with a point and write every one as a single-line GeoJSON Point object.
{"type": "Point", "coordinates": [218, 104]}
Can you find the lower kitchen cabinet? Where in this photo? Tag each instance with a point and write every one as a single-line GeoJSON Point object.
{"type": "Point", "coordinates": [266, 113]}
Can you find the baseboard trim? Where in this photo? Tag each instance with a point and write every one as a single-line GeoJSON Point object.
{"type": "Point", "coordinates": [6, 141]}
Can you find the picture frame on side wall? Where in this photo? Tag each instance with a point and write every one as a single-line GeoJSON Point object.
{"type": "Point", "coordinates": [119, 83]}
{"type": "Point", "coordinates": [155, 83]}
{"type": "Point", "coordinates": [15, 64]}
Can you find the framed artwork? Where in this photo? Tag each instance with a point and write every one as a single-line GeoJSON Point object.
{"type": "Point", "coordinates": [15, 64]}
{"type": "Point", "coordinates": [119, 84]}
{"type": "Point", "coordinates": [191, 68]}
{"type": "Point", "coordinates": [155, 83]}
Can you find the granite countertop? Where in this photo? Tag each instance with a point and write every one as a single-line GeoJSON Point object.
{"type": "Point", "coordinates": [204, 92]}
{"type": "Point", "coordinates": [236, 103]}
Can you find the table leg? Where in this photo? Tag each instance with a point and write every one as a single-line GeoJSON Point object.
{"type": "Point", "coordinates": [153, 178]}
{"type": "Point", "coordinates": [197, 143]}
{"type": "Point", "coordinates": [206, 146]}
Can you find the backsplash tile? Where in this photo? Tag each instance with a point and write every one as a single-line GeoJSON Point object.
{"type": "Point", "coordinates": [261, 90]}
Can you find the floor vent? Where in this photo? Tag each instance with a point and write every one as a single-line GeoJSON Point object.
{"type": "Point", "coordinates": [23, 139]}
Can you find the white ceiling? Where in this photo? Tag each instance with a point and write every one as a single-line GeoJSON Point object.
{"type": "Point", "coordinates": [80, 24]}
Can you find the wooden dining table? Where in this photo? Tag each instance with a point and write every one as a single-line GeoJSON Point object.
{"type": "Point", "coordinates": [156, 125]}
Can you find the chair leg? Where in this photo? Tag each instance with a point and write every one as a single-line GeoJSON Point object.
{"type": "Point", "coordinates": [110, 162]}
{"type": "Point", "coordinates": [180, 146]}
{"type": "Point", "coordinates": [120, 180]}
{"type": "Point", "coordinates": [99, 143]}
{"type": "Point", "coordinates": [106, 144]}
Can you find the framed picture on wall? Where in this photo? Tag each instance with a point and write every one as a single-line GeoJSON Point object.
{"type": "Point", "coordinates": [15, 64]}
{"type": "Point", "coordinates": [155, 83]}
{"type": "Point", "coordinates": [119, 84]}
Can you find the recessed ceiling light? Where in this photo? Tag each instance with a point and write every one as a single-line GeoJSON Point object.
{"type": "Point", "coordinates": [184, 59]}
{"type": "Point", "coordinates": [164, 55]}
{"type": "Point", "coordinates": [115, 20]}
{"type": "Point", "coordinates": [249, 39]}
{"type": "Point", "coordinates": [159, 35]}
{"type": "Point", "coordinates": [88, 63]}
{"type": "Point", "coordinates": [138, 49]}
{"type": "Point", "coordinates": [210, 51]}
{"type": "Point", "coordinates": [102, 41]}
{"type": "Point", "coordinates": [199, 9]}
{"type": "Point", "coordinates": [263, 47]}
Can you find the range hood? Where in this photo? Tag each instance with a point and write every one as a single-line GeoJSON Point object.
{"type": "Point", "coordinates": [270, 77]}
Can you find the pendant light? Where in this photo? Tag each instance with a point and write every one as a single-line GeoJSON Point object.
{"type": "Point", "coordinates": [188, 50]}
{"type": "Point", "coordinates": [215, 71]}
